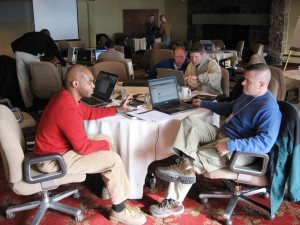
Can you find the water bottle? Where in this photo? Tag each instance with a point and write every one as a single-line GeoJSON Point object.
{"type": "Point", "coordinates": [298, 70]}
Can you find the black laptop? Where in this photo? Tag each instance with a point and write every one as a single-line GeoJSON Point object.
{"type": "Point", "coordinates": [104, 86]}
{"type": "Point", "coordinates": [84, 56]}
{"type": "Point", "coordinates": [165, 97]}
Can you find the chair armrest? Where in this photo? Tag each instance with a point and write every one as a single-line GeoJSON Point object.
{"type": "Point", "coordinates": [6, 101]}
{"type": "Point", "coordinates": [249, 169]}
{"type": "Point", "coordinates": [20, 116]}
{"type": "Point", "coordinates": [47, 176]}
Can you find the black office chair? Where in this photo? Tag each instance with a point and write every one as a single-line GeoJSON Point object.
{"type": "Point", "coordinates": [257, 177]}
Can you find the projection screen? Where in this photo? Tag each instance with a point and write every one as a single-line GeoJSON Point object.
{"type": "Point", "coordinates": [58, 16]}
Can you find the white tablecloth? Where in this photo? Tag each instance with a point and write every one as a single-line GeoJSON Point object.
{"type": "Point", "coordinates": [137, 43]}
{"type": "Point", "coordinates": [292, 79]}
{"type": "Point", "coordinates": [225, 54]}
{"type": "Point", "coordinates": [141, 142]}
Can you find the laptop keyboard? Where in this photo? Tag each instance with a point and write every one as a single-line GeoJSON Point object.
{"type": "Point", "coordinates": [92, 101]}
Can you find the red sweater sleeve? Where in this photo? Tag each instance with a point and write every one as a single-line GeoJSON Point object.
{"type": "Point", "coordinates": [61, 127]}
{"type": "Point", "coordinates": [72, 127]}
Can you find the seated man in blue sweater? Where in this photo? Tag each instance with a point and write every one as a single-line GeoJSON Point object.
{"type": "Point", "coordinates": [178, 62]}
{"type": "Point", "coordinates": [252, 125]}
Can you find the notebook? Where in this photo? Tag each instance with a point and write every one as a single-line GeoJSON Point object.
{"type": "Point", "coordinates": [84, 56]}
{"type": "Point", "coordinates": [104, 86]}
{"type": "Point", "coordinates": [163, 72]}
{"type": "Point", "coordinates": [98, 52]}
{"type": "Point", "coordinates": [165, 97]}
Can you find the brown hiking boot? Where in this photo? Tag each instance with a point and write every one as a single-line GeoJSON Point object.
{"type": "Point", "coordinates": [182, 171]}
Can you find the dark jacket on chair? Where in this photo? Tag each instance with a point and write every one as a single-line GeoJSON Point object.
{"type": "Point", "coordinates": [287, 167]}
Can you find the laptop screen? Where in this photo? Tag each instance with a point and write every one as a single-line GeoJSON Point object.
{"type": "Point", "coordinates": [163, 72]}
{"type": "Point", "coordinates": [104, 85]}
{"type": "Point", "coordinates": [98, 52]}
{"type": "Point", "coordinates": [163, 90]}
{"type": "Point", "coordinates": [84, 56]}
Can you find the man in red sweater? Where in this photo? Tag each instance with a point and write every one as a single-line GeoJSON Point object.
{"type": "Point", "coordinates": [61, 130]}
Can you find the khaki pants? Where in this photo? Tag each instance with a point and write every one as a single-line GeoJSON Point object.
{"type": "Point", "coordinates": [197, 138]}
{"type": "Point", "coordinates": [23, 61]}
{"type": "Point", "coordinates": [107, 163]}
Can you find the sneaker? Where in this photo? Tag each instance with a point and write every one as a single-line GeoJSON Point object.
{"type": "Point", "coordinates": [168, 207]}
{"type": "Point", "coordinates": [182, 171]}
{"type": "Point", "coordinates": [128, 216]}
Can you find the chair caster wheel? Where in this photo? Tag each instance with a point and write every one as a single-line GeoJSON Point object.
{"type": "Point", "coordinates": [228, 222]}
{"type": "Point", "coordinates": [76, 195]}
{"type": "Point", "coordinates": [266, 195]}
{"type": "Point", "coordinates": [79, 218]}
{"type": "Point", "coordinates": [272, 217]}
{"type": "Point", "coordinates": [10, 215]}
{"type": "Point", "coordinates": [204, 201]}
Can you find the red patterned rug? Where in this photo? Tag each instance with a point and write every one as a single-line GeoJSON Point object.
{"type": "Point", "coordinates": [96, 210]}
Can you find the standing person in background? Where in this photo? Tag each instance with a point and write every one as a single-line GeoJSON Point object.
{"type": "Point", "coordinates": [165, 30]}
{"type": "Point", "coordinates": [29, 48]}
{"type": "Point", "coordinates": [150, 28]}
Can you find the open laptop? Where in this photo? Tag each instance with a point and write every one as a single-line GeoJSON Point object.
{"type": "Point", "coordinates": [163, 72]}
{"type": "Point", "coordinates": [165, 97]}
{"type": "Point", "coordinates": [84, 56]}
{"type": "Point", "coordinates": [98, 52]}
{"type": "Point", "coordinates": [104, 86]}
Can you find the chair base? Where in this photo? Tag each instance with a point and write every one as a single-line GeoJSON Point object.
{"type": "Point", "coordinates": [235, 194]}
{"type": "Point", "coordinates": [48, 202]}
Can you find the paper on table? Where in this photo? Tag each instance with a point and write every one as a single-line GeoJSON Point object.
{"type": "Point", "coordinates": [151, 115]}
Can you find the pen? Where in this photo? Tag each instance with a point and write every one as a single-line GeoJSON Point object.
{"type": "Point", "coordinates": [145, 111]}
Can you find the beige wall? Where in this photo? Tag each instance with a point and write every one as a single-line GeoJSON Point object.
{"type": "Point", "coordinates": [102, 16]}
{"type": "Point", "coordinates": [293, 17]}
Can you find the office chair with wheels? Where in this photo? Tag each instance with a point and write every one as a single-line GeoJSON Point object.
{"type": "Point", "coordinates": [257, 177]}
{"type": "Point", "coordinates": [277, 73]}
{"type": "Point", "coordinates": [45, 80]}
{"type": "Point", "coordinates": [225, 82]}
{"type": "Point", "coordinates": [25, 119]}
{"type": "Point", "coordinates": [258, 49]}
{"type": "Point", "coordinates": [160, 45]}
{"type": "Point", "coordinates": [115, 66]}
{"type": "Point", "coordinates": [159, 55]}
{"type": "Point", "coordinates": [25, 179]}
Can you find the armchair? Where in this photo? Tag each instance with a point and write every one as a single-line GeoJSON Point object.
{"type": "Point", "coordinates": [115, 66]}
{"type": "Point", "coordinates": [45, 79]}
{"type": "Point", "coordinates": [25, 119]}
{"type": "Point", "coordinates": [257, 177]}
{"type": "Point", "coordinates": [25, 179]}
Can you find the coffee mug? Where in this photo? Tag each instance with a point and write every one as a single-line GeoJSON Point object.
{"type": "Point", "coordinates": [185, 93]}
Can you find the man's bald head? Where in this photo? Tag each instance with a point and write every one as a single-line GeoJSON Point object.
{"type": "Point", "coordinates": [76, 72]}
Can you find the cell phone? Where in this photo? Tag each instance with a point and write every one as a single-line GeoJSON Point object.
{"type": "Point", "coordinates": [136, 103]}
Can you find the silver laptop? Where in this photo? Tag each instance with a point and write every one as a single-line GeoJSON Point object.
{"type": "Point", "coordinates": [98, 52]}
{"type": "Point", "coordinates": [165, 97]}
{"type": "Point", "coordinates": [163, 72]}
{"type": "Point", "coordinates": [71, 57]}
{"type": "Point", "coordinates": [104, 86]}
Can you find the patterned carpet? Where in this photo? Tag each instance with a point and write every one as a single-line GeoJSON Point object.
{"type": "Point", "coordinates": [96, 210]}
